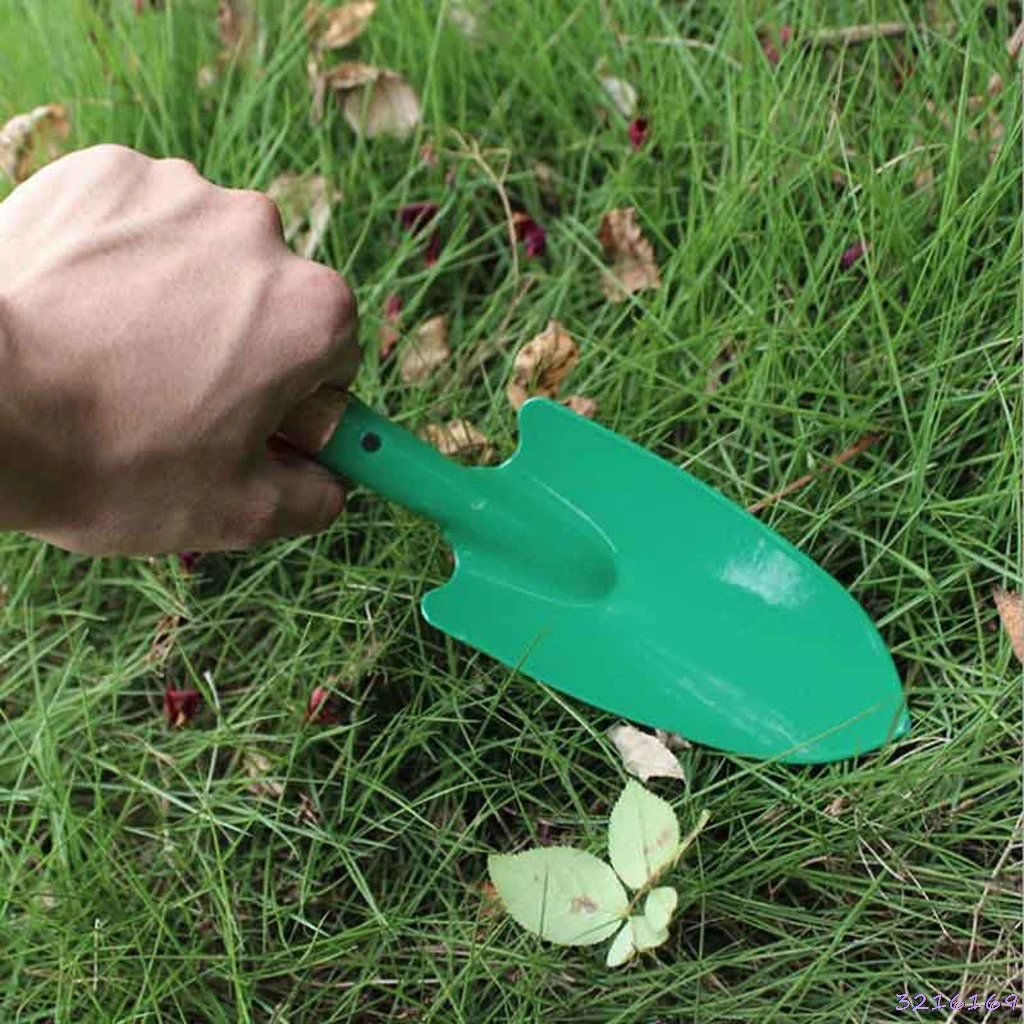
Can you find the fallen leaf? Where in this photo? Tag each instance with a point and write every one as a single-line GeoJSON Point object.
{"type": "Point", "coordinates": [623, 95]}
{"type": "Point", "coordinates": [304, 199]}
{"type": "Point", "coordinates": [180, 706]}
{"type": "Point", "coordinates": [532, 234]}
{"type": "Point", "coordinates": [581, 405]}
{"type": "Point", "coordinates": [852, 254]}
{"type": "Point", "coordinates": [1011, 612]}
{"type": "Point", "coordinates": [163, 640]}
{"type": "Point", "coordinates": [542, 364]}
{"type": "Point", "coordinates": [490, 901]}
{"type": "Point", "coordinates": [339, 26]}
{"type": "Point", "coordinates": [835, 808]}
{"type": "Point", "coordinates": [633, 266]}
{"type": "Point", "coordinates": [673, 740]}
{"type": "Point", "coordinates": [426, 350]}
{"type": "Point", "coordinates": [638, 131]}
{"type": "Point", "coordinates": [644, 755]}
{"type": "Point", "coordinates": [464, 19]}
{"type": "Point", "coordinates": [459, 437]}
{"type": "Point", "coordinates": [390, 331]}
{"type": "Point", "coordinates": [25, 136]}
{"type": "Point", "coordinates": [375, 101]}
{"type": "Point", "coordinates": [237, 24]}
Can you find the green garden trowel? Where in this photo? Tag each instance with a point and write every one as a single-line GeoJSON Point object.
{"type": "Point", "coordinates": [594, 566]}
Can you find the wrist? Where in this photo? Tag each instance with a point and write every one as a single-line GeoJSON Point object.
{"type": "Point", "coordinates": [15, 513]}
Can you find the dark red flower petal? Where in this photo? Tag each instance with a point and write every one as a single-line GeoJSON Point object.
{"type": "Point", "coordinates": [180, 706]}
{"type": "Point", "coordinates": [433, 249]}
{"type": "Point", "coordinates": [638, 130]}
{"type": "Point", "coordinates": [535, 242]}
{"type": "Point", "coordinates": [533, 235]}
{"type": "Point", "coordinates": [416, 216]}
{"type": "Point", "coordinates": [786, 35]}
{"type": "Point", "coordinates": [187, 560]}
{"type": "Point", "coordinates": [851, 254]}
{"type": "Point", "coordinates": [393, 307]}
{"type": "Point", "coordinates": [317, 707]}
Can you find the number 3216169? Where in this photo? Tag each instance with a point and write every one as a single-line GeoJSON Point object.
{"type": "Point", "coordinates": [905, 1001]}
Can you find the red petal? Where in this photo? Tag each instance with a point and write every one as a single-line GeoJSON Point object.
{"type": "Point", "coordinates": [638, 129]}
{"type": "Point", "coordinates": [852, 254]}
{"type": "Point", "coordinates": [316, 708]}
{"type": "Point", "coordinates": [417, 215]}
{"type": "Point", "coordinates": [187, 560]}
{"type": "Point", "coordinates": [180, 706]}
{"type": "Point", "coordinates": [433, 249]}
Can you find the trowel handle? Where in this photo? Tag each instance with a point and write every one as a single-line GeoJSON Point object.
{"type": "Point", "coordinates": [371, 450]}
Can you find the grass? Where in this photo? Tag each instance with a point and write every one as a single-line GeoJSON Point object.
{"type": "Point", "coordinates": [142, 879]}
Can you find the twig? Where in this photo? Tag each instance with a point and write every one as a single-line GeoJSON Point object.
{"type": "Point", "coordinates": [865, 442]}
{"type": "Point", "coordinates": [852, 34]}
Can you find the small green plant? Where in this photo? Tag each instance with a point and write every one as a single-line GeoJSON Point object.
{"type": "Point", "coordinates": [572, 898]}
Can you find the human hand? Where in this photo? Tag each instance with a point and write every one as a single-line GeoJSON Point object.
{"type": "Point", "coordinates": [155, 330]}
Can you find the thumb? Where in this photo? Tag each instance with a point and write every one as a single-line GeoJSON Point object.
{"type": "Point", "coordinates": [307, 498]}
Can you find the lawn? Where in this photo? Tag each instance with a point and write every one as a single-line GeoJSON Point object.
{"type": "Point", "coordinates": [837, 230]}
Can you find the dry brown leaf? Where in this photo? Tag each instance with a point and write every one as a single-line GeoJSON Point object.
{"type": "Point", "coordinates": [339, 26]}
{"type": "Point", "coordinates": [644, 755]}
{"type": "Point", "coordinates": [24, 137]}
{"type": "Point", "coordinates": [257, 767]}
{"type": "Point", "coordinates": [237, 23]}
{"type": "Point", "coordinates": [542, 364]}
{"type": "Point", "coordinates": [459, 437]}
{"type": "Point", "coordinates": [581, 405]}
{"type": "Point", "coordinates": [163, 640]}
{"type": "Point", "coordinates": [426, 350]}
{"type": "Point", "coordinates": [623, 95]}
{"type": "Point", "coordinates": [1011, 612]}
{"type": "Point", "coordinates": [375, 101]}
{"type": "Point", "coordinates": [304, 199]}
{"type": "Point", "coordinates": [633, 266]}
{"type": "Point", "coordinates": [835, 808]}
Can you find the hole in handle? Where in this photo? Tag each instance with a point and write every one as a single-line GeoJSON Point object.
{"type": "Point", "coordinates": [370, 442]}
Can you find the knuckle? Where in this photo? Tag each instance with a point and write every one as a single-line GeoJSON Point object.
{"type": "Point", "coordinates": [112, 153]}
{"type": "Point", "coordinates": [179, 165]}
{"type": "Point", "coordinates": [333, 296]}
{"type": "Point", "coordinates": [258, 208]}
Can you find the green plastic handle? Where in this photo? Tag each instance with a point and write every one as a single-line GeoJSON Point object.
{"type": "Point", "coordinates": [371, 450]}
{"type": "Point", "coordinates": [532, 533]}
